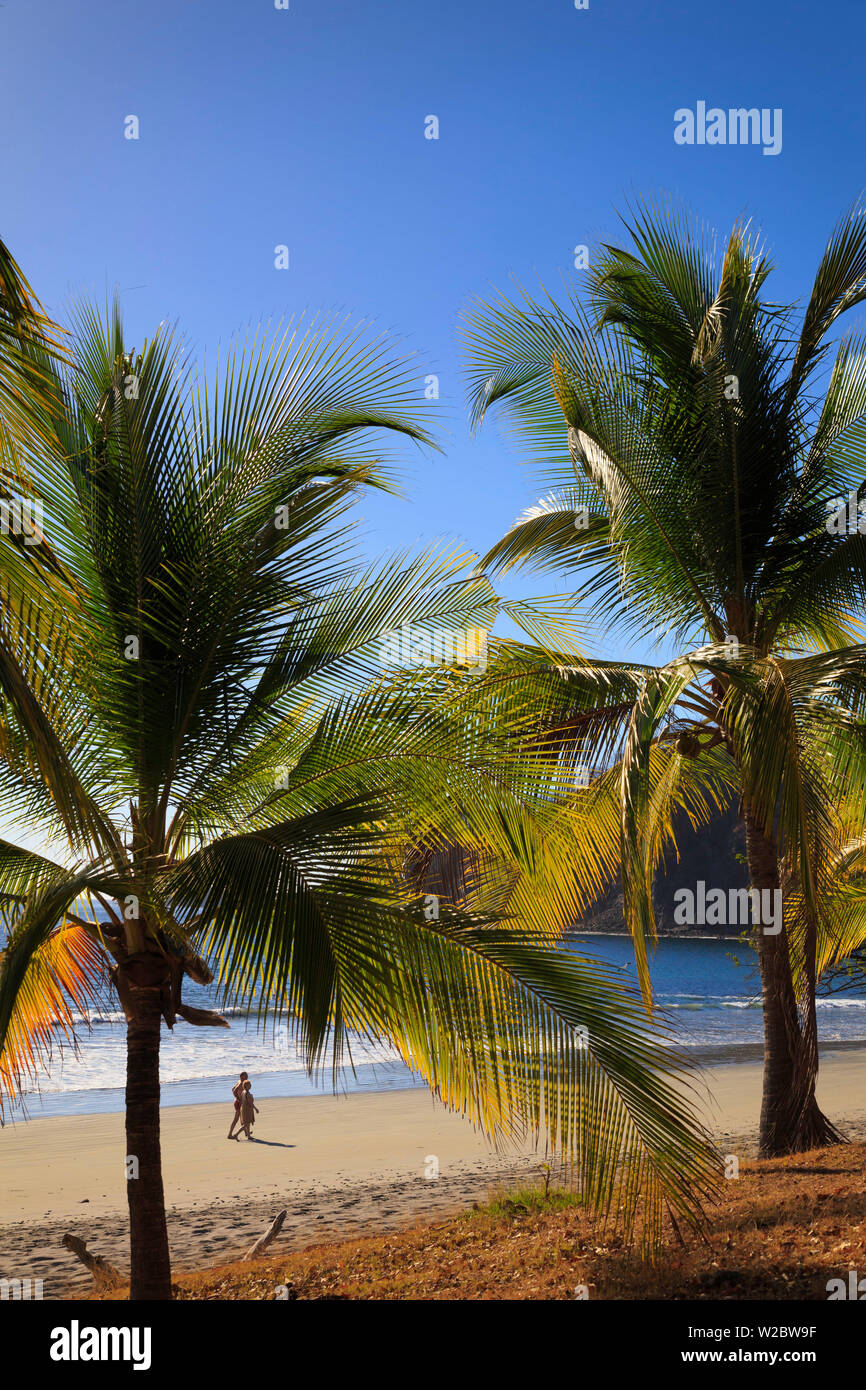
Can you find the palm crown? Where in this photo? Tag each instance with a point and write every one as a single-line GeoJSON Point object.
{"type": "Point", "coordinates": [698, 441]}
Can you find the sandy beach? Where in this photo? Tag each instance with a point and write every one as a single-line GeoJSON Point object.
{"type": "Point", "coordinates": [348, 1165]}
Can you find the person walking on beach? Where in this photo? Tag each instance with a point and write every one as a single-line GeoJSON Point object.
{"type": "Point", "coordinates": [237, 1092]}
{"type": "Point", "coordinates": [248, 1110]}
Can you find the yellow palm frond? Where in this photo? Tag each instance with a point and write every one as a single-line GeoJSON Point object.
{"type": "Point", "coordinates": [67, 973]}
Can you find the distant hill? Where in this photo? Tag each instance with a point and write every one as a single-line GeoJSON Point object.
{"type": "Point", "coordinates": [709, 854]}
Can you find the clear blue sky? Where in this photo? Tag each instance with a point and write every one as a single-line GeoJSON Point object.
{"type": "Point", "coordinates": [306, 127]}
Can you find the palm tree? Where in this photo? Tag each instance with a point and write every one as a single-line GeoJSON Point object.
{"type": "Point", "coordinates": [198, 727]}
{"type": "Point", "coordinates": [699, 442]}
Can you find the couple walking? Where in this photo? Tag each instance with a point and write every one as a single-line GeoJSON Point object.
{"type": "Point", "coordinates": [245, 1110]}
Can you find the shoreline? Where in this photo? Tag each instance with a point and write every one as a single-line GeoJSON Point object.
{"type": "Point", "coordinates": [707, 1058]}
{"type": "Point", "coordinates": [342, 1166]}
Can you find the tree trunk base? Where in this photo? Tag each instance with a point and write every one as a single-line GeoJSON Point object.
{"type": "Point", "coordinates": [812, 1131]}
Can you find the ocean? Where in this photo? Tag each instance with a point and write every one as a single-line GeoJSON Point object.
{"type": "Point", "coordinates": [709, 988]}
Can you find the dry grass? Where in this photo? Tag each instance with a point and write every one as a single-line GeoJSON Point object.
{"type": "Point", "coordinates": [780, 1231]}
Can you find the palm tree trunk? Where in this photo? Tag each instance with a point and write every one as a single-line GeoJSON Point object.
{"type": "Point", "coordinates": [150, 1267]}
{"type": "Point", "coordinates": [791, 1120]}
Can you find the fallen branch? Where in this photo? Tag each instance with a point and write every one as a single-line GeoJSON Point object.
{"type": "Point", "coordinates": [264, 1241]}
{"type": "Point", "coordinates": [104, 1274]}
{"type": "Point", "coordinates": [202, 1018]}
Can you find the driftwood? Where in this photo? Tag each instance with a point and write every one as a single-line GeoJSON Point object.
{"type": "Point", "coordinates": [264, 1241]}
{"type": "Point", "coordinates": [104, 1274]}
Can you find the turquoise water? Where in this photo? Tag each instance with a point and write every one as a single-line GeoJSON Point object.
{"type": "Point", "coordinates": [709, 988]}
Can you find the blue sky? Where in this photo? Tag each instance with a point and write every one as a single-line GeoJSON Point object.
{"type": "Point", "coordinates": [306, 127]}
